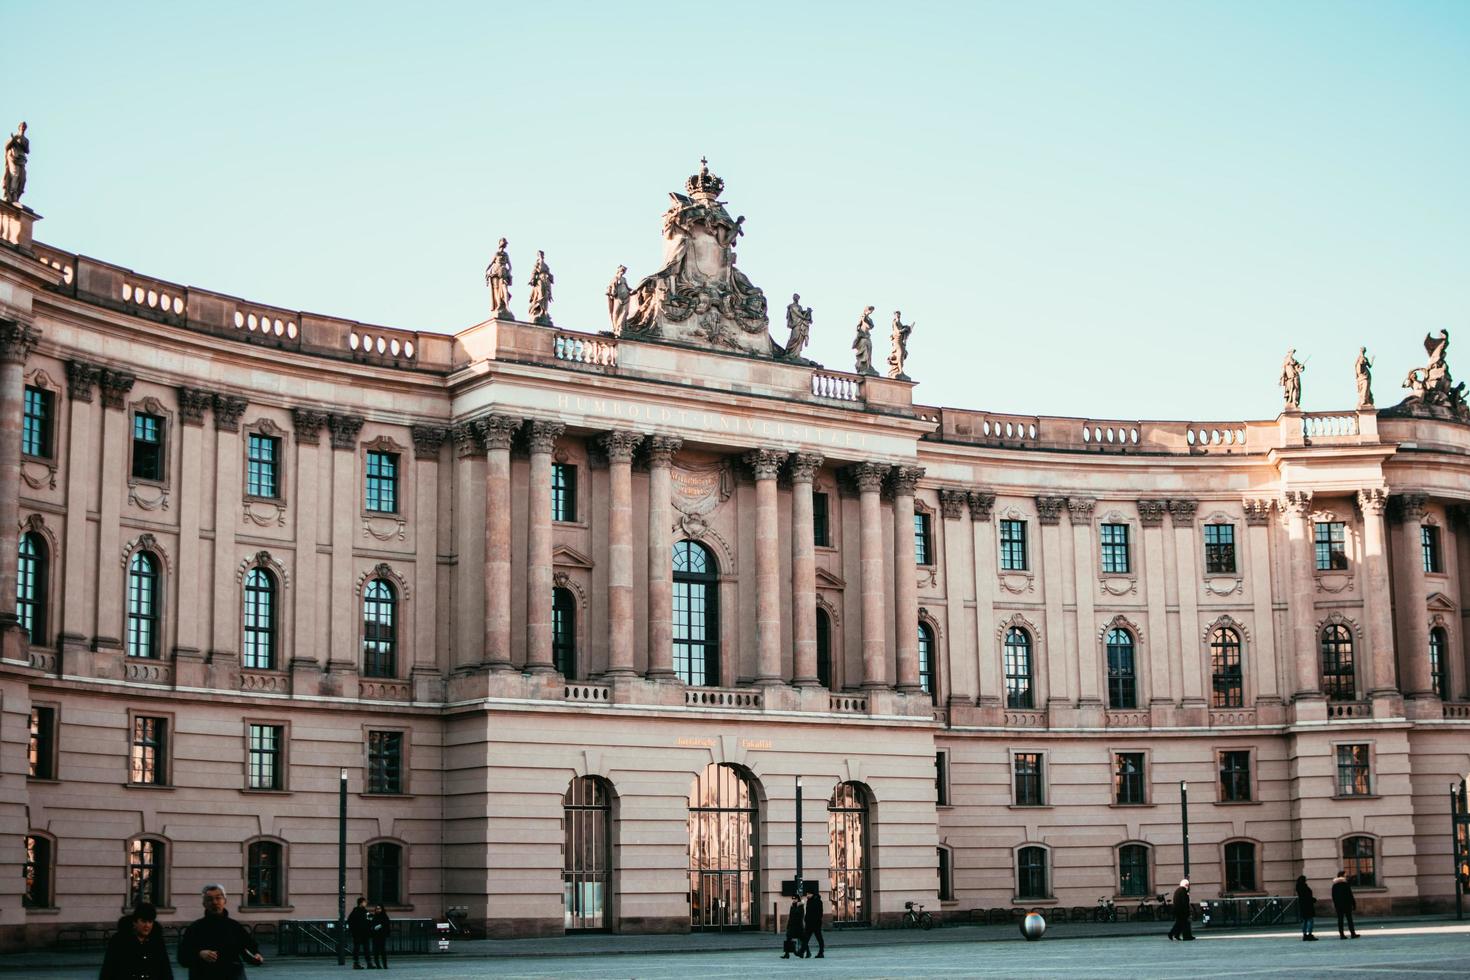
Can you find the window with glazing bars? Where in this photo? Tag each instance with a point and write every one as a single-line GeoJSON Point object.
{"type": "Point", "coordinates": [926, 659]}
{"type": "Point", "coordinates": [379, 635]}
{"type": "Point", "coordinates": [262, 469]}
{"type": "Point", "coordinates": [1235, 776]}
{"type": "Point", "coordinates": [1358, 862]}
{"type": "Point", "coordinates": [1018, 669]}
{"type": "Point", "coordinates": [1240, 867]}
{"type": "Point", "coordinates": [1353, 777]}
{"type": "Point", "coordinates": [1429, 547]}
{"type": "Point", "coordinates": [259, 616]}
{"type": "Point", "coordinates": [149, 756]}
{"type": "Point", "coordinates": [385, 874]}
{"type": "Point", "coordinates": [145, 872]}
{"type": "Point", "coordinates": [1128, 784]}
{"type": "Point", "coordinates": [564, 632]}
{"type": "Point", "coordinates": [1133, 870]}
{"type": "Point", "coordinates": [30, 587]}
{"type": "Point", "coordinates": [382, 482]}
{"type": "Point", "coordinates": [821, 535]}
{"type": "Point", "coordinates": [37, 873]}
{"type": "Point", "coordinates": [563, 492]}
{"type": "Point", "coordinates": [923, 543]}
{"type": "Point", "coordinates": [385, 762]}
{"type": "Point", "coordinates": [36, 423]}
{"type": "Point", "coordinates": [41, 749]}
{"type": "Point", "coordinates": [147, 446]}
{"type": "Point", "coordinates": [1029, 790]}
{"type": "Point", "coordinates": [1338, 680]}
{"type": "Point", "coordinates": [1013, 546]}
{"type": "Point", "coordinates": [1115, 548]}
{"type": "Point", "coordinates": [263, 888]}
{"type": "Point", "coordinates": [1031, 873]}
{"type": "Point", "coordinates": [1229, 682]}
{"type": "Point", "coordinates": [1122, 670]}
{"type": "Point", "coordinates": [1439, 643]}
{"type": "Point", "coordinates": [265, 757]}
{"type": "Point", "coordinates": [1220, 549]}
{"type": "Point", "coordinates": [1331, 546]}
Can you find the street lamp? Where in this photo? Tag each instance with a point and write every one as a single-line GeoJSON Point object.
{"type": "Point", "coordinates": [341, 865]}
{"type": "Point", "coordinates": [1184, 820]}
{"type": "Point", "coordinates": [799, 888]}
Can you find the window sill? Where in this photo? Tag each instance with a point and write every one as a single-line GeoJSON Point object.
{"type": "Point", "coordinates": [149, 482]}
{"type": "Point", "coordinates": [150, 786]}
{"type": "Point", "coordinates": [1230, 574]}
{"type": "Point", "coordinates": [1022, 900]}
{"type": "Point", "coordinates": [32, 458]}
{"type": "Point", "coordinates": [583, 525]}
{"type": "Point", "coordinates": [1131, 806]}
{"type": "Point", "coordinates": [1029, 806]}
{"type": "Point", "coordinates": [1249, 894]}
{"type": "Point", "coordinates": [825, 547]}
{"type": "Point", "coordinates": [382, 513]}
{"type": "Point", "coordinates": [944, 806]}
{"type": "Point", "coordinates": [245, 909]}
{"type": "Point", "coordinates": [43, 780]}
{"type": "Point", "coordinates": [1356, 796]}
{"type": "Point", "coordinates": [43, 910]}
{"type": "Point", "coordinates": [254, 791]}
{"type": "Point", "coordinates": [386, 796]}
{"type": "Point", "coordinates": [256, 498]}
{"type": "Point", "coordinates": [1237, 802]}
{"type": "Point", "coordinates": [1370, 889]}
{"type": "Point", "coordinates": [160, 909]}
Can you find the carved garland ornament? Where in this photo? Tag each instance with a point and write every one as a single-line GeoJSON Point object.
{"type": "Point", "coordinates": [1226, 622]}
{"type": "Point", "coordinates": [263, 559]}
{"type": "Point", "coordinates": [383, 570]}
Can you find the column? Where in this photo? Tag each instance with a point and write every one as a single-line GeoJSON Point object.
{"type": "Point", "coordinates": [766, 463]}
{"type": "Point", "coordinates": [869, 479]}
{"type": "Point", "coordinates": [109, 586]}
{"type": "Point", "coordinates": [1188, 569]}
{"type": "Point", "coordinates": [224, 641]}
{"type": "Point", "coordinates": [1164, 687]}
{"type": "Point", "coordinates": [542, 439]}
{"type": "Point", "coordinates": [958, 567]}
{"type": "Point", "coordinates": [345, 507]}
{"type": "Point", "coordinates": [1084, 568]}
{"type": "Point", "coordinates": [496, 432]}
{"type": "Point", "coordinates": [1418, 684]}
{"type": "Point", "coordinates": [1301, 604]}
{"type": "Point", "coordinates": [1049, 516]}
{"type": "Point", "coordinates": [1262, 652]}
{"type": "Point", "coordinates": [306, 652]}
{"type": "Point", "coordinates": [906, 578]}
{"type": "Point", "coordinates": [619, 446]}
{"type": "Point", "coordinates": [427, 442]}
{"type": "Point", "coordinates": [661, 451]}
{"type": "Point", "coordinates": [16, 341]}
{"type": "Point", "coordinates": [1376, 607]}
{"type": "Point", "coordinates": [192, 404]}
{"type": "Point", "coordinates": [76, 626]}
{"type": "Point", "coordinates": [991, 689]}
{"type": "Point", "coordinates": [804, 468]}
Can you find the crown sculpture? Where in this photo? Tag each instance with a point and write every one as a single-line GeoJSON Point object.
{"type": "Point", "coordinates": [699, 296]}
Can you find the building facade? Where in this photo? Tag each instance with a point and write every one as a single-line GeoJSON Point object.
{"type": "Point", "coordinates": [573, 612]}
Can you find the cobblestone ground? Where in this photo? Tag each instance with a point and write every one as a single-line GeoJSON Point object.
{"type": "Point", "coordinates": [1430, 951]}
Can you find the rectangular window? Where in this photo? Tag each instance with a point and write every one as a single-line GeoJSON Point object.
{"type": "Point", "coordinates": [382, 482]}
{"type": "Point", "coordinates": [1353, 778]}
{"type": "Point", "coordinates": [941, 778]}
{"type": "Point", "coordinates": [1029, 791]}
{"type": "Point", "coordinates": [385, 762]}
{"type": "Point", "coordinates": [1128, 779]}
{"type": "Point", "coordinates": [923, 543]}
{"type": "Point", "coordinates": [263, 466]}
{"type": "Point", "coordinates": [1220, 549]}
{"type": "Point", "coordinates": [1235, 777]}
{"type": "Point", "coordinates": [821, 534]}
{"type": "Point", "coordinates": [1013, 546]}
{"type": "Point", "coordinates": [41, 756]}
{"type": "Point", "coordinates": [147, 446]}
{"type": "Point", "coordinates": [148, 763]}
{"type": "Point", "coordinates": [37, 872]}
{"type": "Point", "coordinates": [1031, 873]}
{"type": "Point", "coordinates": [1331, 543]}
{"type": "Point", "coordinates": [563, 492]}
{"type": "Point", "coordinates": [946, 875]}
{"type": "Point", "coordinates": [36, 424]}
{"type": "Point", "coordinates": [1429, 545]}
{"type": "Point", "coordinates": [266, 749]}
{"type": "Point", "coordinates": [1115, 549]}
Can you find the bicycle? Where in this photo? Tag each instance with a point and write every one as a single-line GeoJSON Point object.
{"type": "Point", "coordinates": [1106, 911]}
{"type": "Point", "coordinates": [915, 916]}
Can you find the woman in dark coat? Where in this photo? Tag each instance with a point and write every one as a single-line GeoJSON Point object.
{"type": "Point", "coordinates": [136, 951]}
{"type": "Point", "coordinates": [1306, 904]}
{"type": "Point", "coordinates": [795, 928]}
{"type": "Point", "coordinates": [380, 928]}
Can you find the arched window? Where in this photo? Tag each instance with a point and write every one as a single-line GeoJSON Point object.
{"type": "Point", "coordinates": [1240, 866]}
{"type": "Point", "coordinates": [379, 630]}
{"type": "Point", "coordinates": [696, 614]}
{"type": "Point", "coordinates": [1122, 676]}
{"type": "Point", "coordinates": [143, 602]}
{"type": "Point", "coordinates": [564, 631]}
{"type": "Point", "coordinates": [1358, 861]}
{"type": "Point", "coordinates": [586, 853]}
{"type": "Point", "coordinates": [926, 659]}
{"type": "Point", "coordinates": [1031, 877]}
{"type": "Point", "coordinates": [30, 587]}
{"type": "Point", "coordinates": [146, 869]}
{"type": "Point", "coordinates": [264, 874]}
{"type": "Point", "coordinates": [847, 854]}
{"type": "Point", "coordinates": [1133, 879]}
{"type": "Point", "coordinates": [1018, 669]}
{"type": "Point", "coordinates": [824, 648]}
{"type": "Point", "coordinates": [724, 884]}
{"type": "Point", "coordinates": [1439, 642]}
{"type": "Point", "coordinates": [1337, 663]}
{"type": "Point", "coordinates": [385, 873]}
{"type": "Point", "coordinates": [1229, 689]}
{"type": "Point", "coordinates": [40, 860]}
{"type": "Point", "coordinates": [259, 648]}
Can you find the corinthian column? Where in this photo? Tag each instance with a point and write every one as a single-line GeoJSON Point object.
{"type": "Point", "coordinates": [1418, 681]}
{"type": "Point", "coordinates": [906, 578]}
{"type": "Point", "coordinates": [804, 467]}
{"type": "Point", "coordinates": [619, 446]}
{"type": "Point", "coordinates": [496, 431]}
{"type": "Point", "coordinates": [661, 451]}
{"type": "Point", "coordinates": [1303, 610]}
{"type": "Point", "coordinates": [766, 464]}
{"type": "Point", "coordinates": [16, 341]}
{"type": "Point", "coordinates": [869, 479]}
{"type": "Point", "coordinates": [543, 436]}
{"type": "Point", "coordinates": [1376, 611]}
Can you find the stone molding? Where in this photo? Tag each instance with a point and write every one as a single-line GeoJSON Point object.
{"type": "Point", "coordinates": [765, 463]}
{"type": "Point", "coordinates": [1298, 502]}
{"type": "Point", "coordinates": [905, 479]}
{"type": "Point", "coordinates": [620, 445]}
{"type": "Point", "coordinates": [227, 412]}
{"type": "Point", "coordinates": [467, 442]}
{"type": "Point", "coordinates": [17, 340]}
{"type": "Point", "coordinates": [1080, 509]}
{"type": "Point", "coordinates": [427, 440]}
{"type": "Point", "coordinates": [982, 504]}
{"type": "Point", "coordinates": [1151, 512]}
{"type": "Point", "coordinates": [497, 431]}
{"type": "Point", "coordinates": [1409, 507]}
{"type": "Point", "coordinates": [1258, 510]}
{"type": "Point", "coordinates": [344, 430]}
{"type": "Point", "coordinates": [193, 402]}
{"type": "Point", "coordinates": [1049, 510]}
{"type": "Point", "coordinates": [952, 502]}
{"type": "Point", "coordinates": [308, 423]}
{"type": "Point", "coordinates": [1182, 512]}
{"type": "Point", "coordinates": [115, 387]}
{"type": "Point", "coordinates": [804, 466]}
{"type": "Point", "coordinates": [1373, 501]}
{"type": "Point", "coordinates": [81, 377]}
{"type": "Point", "coordinates": [868, 477]}
{"type": "Point", "coordinates": [661, 449]}
{"type": "Point", "coordinates": [541, 436]}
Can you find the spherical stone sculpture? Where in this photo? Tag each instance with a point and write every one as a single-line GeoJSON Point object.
{"type": "Point", "coordinates": [1033, 927]}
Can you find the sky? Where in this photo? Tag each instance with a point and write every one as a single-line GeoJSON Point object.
{"type": "Point", "coordinates": [1117, 210]}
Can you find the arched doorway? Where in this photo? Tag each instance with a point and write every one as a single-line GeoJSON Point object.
{"type": "Point", "coordinates": [847, 853]}
{"type": "Point", "coordinates": [723, 844]}
{"type": "Point", "coordinates": [586, 854]}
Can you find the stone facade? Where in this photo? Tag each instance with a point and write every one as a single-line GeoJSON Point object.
{"type": "Point", "coordinates": [876, 567]}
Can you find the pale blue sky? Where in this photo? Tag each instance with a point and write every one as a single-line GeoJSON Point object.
{"type": "Point", "coordinates": [1116, 210]}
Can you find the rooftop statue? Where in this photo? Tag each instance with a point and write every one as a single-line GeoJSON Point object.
{"type": "Point", "coordinates": [1291, 381]}
{"type": "Point", "coordinates": [863, 343]}
{"type": "Point", "coordinates": [541, 280]}
{"type": "Point", "coordinates": [17, 150]}
{"type": "Point", "coordinates": [1432, 392]}
{"type": "Point", "coordinates": [899, 350]}
{"type": "Point", "coordinates": [617, 300]}
{"type": "Point", "coordinates": [497, 277]}
{"type": "Point", "coordinates": [1363, 370]}
{"type": "Point", "coordinates": [799, 322]}
{"type": "Point", "coordinates": [698, 296]}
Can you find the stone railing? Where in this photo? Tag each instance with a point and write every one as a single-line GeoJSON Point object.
{"type": "Point", "coordinates": [592, 351]}
{"type": "Point", "coordinates": [837, 387]}
{"type": "Point", "coordinates": [1349, 709]}
{"type": "Point", "coordinates": [1328, 426]}
{"type": "Point", "coordinates": [1102, 434]}
{"type": "Point", "coordinates": [1204, 437]}
{"type": "Point", "coordinates": [1128, 719]}
{"type": "Point", "coordinates": [722, 697]}
{"type": "Point", "coordinates": [848, 704]}
{"type": "Point", "coordinates": [374, 690]}
{"type": "Point", "coordinates": [588, 693]}
{"type": "Point", "coordinates": [46, 660]}
{"type": "Point", "coordinates": [264, 683]}
{"type": "Point", "coordinates": [1025, 719]}
{"type": "Point", "coordinates": [1227, 717]}
{"type": "Point", "coordinates": [58, 260]}
{"type": "Point", "coordinates": [1089, 435]}
{"type": "Point", "coordinates": [144, 671]}
{"type": "Point", "coordinates": [1456, 710]}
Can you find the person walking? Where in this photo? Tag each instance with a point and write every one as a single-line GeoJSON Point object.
{"type": "Point", "coordinates": [1181, 930]}
{"type": "Point", "coordinates": [136, 951]}
{"type": "Point", "coordinates": [813, 927]}
{"type": "Point", "coordinates": [359, 927]}
{"type": "Point", "coordinates": [795, 927]}
{"type": "Point", "coordinates": [216, 947]}
{"type": "Point", "coordinates": [1306, 904]}
{"type": "Point", "coordinates": [381, 928]}
{"type": "Point", "coordinates": [1344, 903]}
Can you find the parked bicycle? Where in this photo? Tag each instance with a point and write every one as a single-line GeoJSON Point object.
{"type": "Point", "coordinates": [915, 916]}
{"type": "Point", "coordinates": [1106, 911]}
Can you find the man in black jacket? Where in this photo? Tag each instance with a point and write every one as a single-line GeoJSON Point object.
{"type": "Point", "coordinates": [1344, 903]}
{"type": "Point", "coordinates": [812, 926]}
{"type": "Point", "coordinates": [1181, 928]}
{"type": "Point", "coordinates": [136, 951]}
{"type": "Point", "coordinates": [359, 927]}
{"type": "Point", "coordinates": [216, 947]}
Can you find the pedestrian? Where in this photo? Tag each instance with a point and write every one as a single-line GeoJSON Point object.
{"type": "Point", "coordinates": [812, 926]}
{"type": "Point", "coordinates": [381, 927]}
{"type": "Point", "coordinates": [359, 927]}
{"type": "Point", "coordinates": [1344, 903]}
{"type": "Point", "coordinates": [1181, 930]}
{"type": "Point", "coordinates": [136, 951]}
{"type": "Point", "coordinates": [1306, 904]}
{"type": "Point", "coordinates": [214, 946]}
{"type": "Point", "coordinates": [795, 927]}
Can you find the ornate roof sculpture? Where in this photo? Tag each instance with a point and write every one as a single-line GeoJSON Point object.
{"type": "Point", "coordinates": [699, 296]}
{"type": "Point", "coordinates": [1433, 393]}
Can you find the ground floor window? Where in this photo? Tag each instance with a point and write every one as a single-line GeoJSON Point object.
{"type": "Point", "coordinates": [586, 853]}
{"type": "Point", "coordinates": [724, 869]}
{"type": "Point", "coordinates": [847, 854]}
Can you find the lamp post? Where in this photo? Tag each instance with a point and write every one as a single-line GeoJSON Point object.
{"type": "Point", "coordinates": [1460, 840]}
{"type": "Point", "coordinates": [799, 885]}
{"type": "Point", "coordinates": [341, 866]}
{"type": "Point", "coordinates": [1184, 820]}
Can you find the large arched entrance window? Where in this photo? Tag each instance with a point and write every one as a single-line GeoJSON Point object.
{"type": "Point", "coordinates": [847, 853]}
{"type": "Point", "coordinates": [696, 614]}
{"type": "Point", "coordinates": [723, 844]}
{"type": "Point", "coordinates": [587, 853]}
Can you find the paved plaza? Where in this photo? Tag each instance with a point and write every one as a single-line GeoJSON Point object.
{"type": "Point", "coordinates": [1421, 950]}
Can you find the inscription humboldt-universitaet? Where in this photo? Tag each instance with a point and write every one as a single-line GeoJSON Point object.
{"type": "Point", "coordinates": [697, 418]}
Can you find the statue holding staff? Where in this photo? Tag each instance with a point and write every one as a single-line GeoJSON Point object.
{"type": "Point", "coordinates": [497, 277]}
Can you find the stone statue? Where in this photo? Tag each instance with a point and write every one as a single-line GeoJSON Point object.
{"type": "Point", "coordinates": [617, 300]}
{"type": "Point", "coordinates": [863, 343]}
{"type": "Point", "coordinates": [1291, 381]}
{"type": "Point", "coordinates": [1363, 369]}
{"type": "Point", "coordinates": [799, 322]}
{"type": "Point", "coordinates": [1432, 392]}
{"type": "Point", "coordinates": [899, 350]}
{"type": "Point", "coordinates": [17, 150]}
{"type": "Point", "coordinates": [497, 277]}
{"type": "Point", "coordinates": [541, 280]}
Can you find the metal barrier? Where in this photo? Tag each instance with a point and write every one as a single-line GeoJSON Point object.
{"type": "Point", "coordinates": [1237, 913]}
{"type": "Point", "coordinates": [318, 937]}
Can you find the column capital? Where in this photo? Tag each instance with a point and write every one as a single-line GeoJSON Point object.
{"type": "Point", "coordinates": [344, 430]}
{"type": "Point", "coordinates": [80, 378]}
{"type": "Point", "coordinates": [804, 467]}
{"type": "Point", "coordinates": [496, 431]}
{"type": "Point", "coordinates": [17, 339]}
{"type": "Point", "coordinates": [1258, 510]}
{"type": "Point", "coordinates": [1373, 501]}
{"type": "Point", "coordinates": [765, 463]}
{"type": "Point", "coordinates": [1409, 507]}
{"type": "Point", "coordinates": [1151, 512]}
{"type": "Point", "coordinates": [661, 449]}
{"type": "Point", "coordinates": [192, 404]}
{"type": "Point", "coordinates": [308, 423]}
{"type": "Point", "coordinates": [1049, 509]}
{"type": "Point", "coordinates": [906, 479]}
{"type": "Point", "coordinates": [227, 412]}
{"type": "Point", "coordinates": [620, 444]}
{"type": "Point", "coordinates": [982, 504]}
{"type": "Point", "coordinates": [467, 441]}
{"type": "Point", "coordinates": [1299, 502]}
{"type": "Point", "coordinates": [1181, 512]}
{"type": "Point", "coordinates": [115, 387]}
{"type": "Point", "coordinates": [1080, 509]}
{"type": "Point", "coordinates": [951, 502]}
{"type": "Point", "coordinates": [867, 477]}
{"type": "Point", "coordinates": [541, 436]}
{"type": "Point", "coordinates": [427, 439]}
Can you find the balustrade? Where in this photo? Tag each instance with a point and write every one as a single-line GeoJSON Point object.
{"type": "Point", "coordinates": [721, 697]}
{"type": "Point", "coordinates": [588, 693]}
{"type": "Point", "coordinates": [592, 351]}
{"type": "Point", "coordinates": [1329, 425]}
{"type": "Point", "coordinates": [838, 387]}
{"type": "Point", "coordinates": [847, 704]}
{"type": "Point", "coordinates": [1349, 709]}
